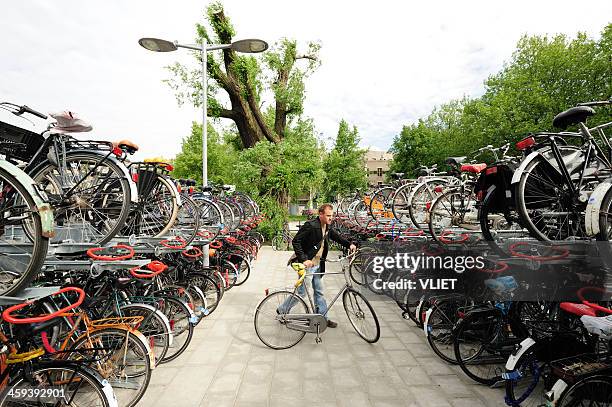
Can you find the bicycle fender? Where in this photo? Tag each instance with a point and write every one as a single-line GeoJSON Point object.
{"type": "Point", "coordinates": [516, 177]}
{"type": "Point", "coordinates": [126, 173]}
{"type": "Point", "coordinates": [175, 191]}
{"type": "Point", "coordinates": [45, 212]}
{"type": "Point", "coordinates": [591, 215]}
{"type": "Point", "coordinates": [426, 323]}
{"type": "Point", "coordinates": [516, 355]}
{"type": "Point", "coordinates": [107, 389]}
{"type": "Point", "coordinates": [556, 391]}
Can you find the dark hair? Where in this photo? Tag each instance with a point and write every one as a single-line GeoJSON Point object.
{"type": "Point", "coordinates": [325, 206]}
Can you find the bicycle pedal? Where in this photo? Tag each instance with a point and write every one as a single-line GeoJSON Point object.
{"type": "Point", "coordinates": [318, 339]}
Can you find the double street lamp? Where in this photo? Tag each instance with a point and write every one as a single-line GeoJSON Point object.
{"type": "Point", "coordinates": [248, 46]}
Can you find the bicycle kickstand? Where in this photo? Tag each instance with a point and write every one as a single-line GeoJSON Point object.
{"type": "Point", "coordinates": [318, 338]}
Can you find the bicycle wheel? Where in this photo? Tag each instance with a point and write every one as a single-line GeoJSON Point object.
{"type": "Point", "coordinates": [380, 204]}
{"type": "Point", "coordinates": [121, 357]}
{"type": "Point", "coordinates": [401, 202]}
{"type": "Point", "coordinates": [278, 242]}
{"type": "Point", "coordinates": [77, 385]}
{"type": "Point", "coordinates": [548, 209]}
{"type": "Point", "coordinates": [21, 254]}
{"type": "Point", "coordinates": [594, 391]}
{"type": "Point", "coordinates": [421, 199]}
{"type": "Point", "coordinates": [440, 321]}
{"type": "Point", "coordinates": [500, 226]}
{"type": "Point", "coordinates": [211, 218]}
{"type": "Point", "coordinates": [524, 387]}
{"type": "Point", "coordinates": [361, 315]}
{"type": "Point", "coordinates": [187, 221]}
{"type": "Point", "coordinates": [99, 204]}
{"type": "Point", "coordinates": [212, 291]}
{"type": "Point", "coordinates": [453, 214]}
{"type": "Point", "coordinates": [157, 207]}
{"type": "Point", "coordinates": [199, 301]}
{"type": "Point", "coordinates": [480, 349]}
{"type": "Point", "coordinates": [181, 324]}
{"type": "Point", "coordinates": [243, 268]}
{"type": "Point", "coordinates": [271, 326]}
{"type": "Point", "coordinates": [155, 327]}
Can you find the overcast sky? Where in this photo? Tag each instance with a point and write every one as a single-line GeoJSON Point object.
{"type": "Point", "coordinates": [384, 63]}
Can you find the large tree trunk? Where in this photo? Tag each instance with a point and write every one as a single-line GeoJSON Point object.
{"type": "Point", "coordinates": [244, 109]}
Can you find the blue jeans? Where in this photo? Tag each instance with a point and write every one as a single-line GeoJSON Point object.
{"type": "Point", "coordinates": [317, 288]}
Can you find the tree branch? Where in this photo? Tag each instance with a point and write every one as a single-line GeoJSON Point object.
{"type": "Point", "coordinates": [311, 57]}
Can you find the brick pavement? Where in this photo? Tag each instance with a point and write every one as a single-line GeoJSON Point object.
{"type": "Point", "coordinates": [227, 365]}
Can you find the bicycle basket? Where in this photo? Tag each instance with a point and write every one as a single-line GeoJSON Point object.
{"type": "Point", "coordinates": [26, 142]}
{"type": "Point", "coordinates": [145, 174]}
{"type": "Point", "coordinates": [575, 368]}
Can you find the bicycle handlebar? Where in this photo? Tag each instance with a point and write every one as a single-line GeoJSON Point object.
{"type": "Point", "coordinates": [26, 109]}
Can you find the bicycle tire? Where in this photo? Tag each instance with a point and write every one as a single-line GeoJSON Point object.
{"type": "Point", "coordinates": [99, 390]}
{"type": "Point", "coordinates": [274, 300]}
{"type": "Point", "coordinates": [155, 327]}
{"type": "Point", "coordinates": [210, 288]}
{"type": "Point", "coordinates": [119, 180]}
{"type": "Point", "coordinates": [358, 312]}
{"type": "Point", "coordinates": [39, 242]}
{"type": "Point", "coordinates": [179, 316]}
{"type": "Point", "coordinates": [597, 388]}
{"type": "Point", "coordinates": [140, 351]}
{"type": "Point", "coordinates": [471, 360]}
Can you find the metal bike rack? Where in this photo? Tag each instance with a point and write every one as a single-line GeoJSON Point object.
{"type": "Point", "coordinates": [27, 294]}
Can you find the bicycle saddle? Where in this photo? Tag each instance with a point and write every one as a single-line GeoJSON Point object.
{"type": "Point", "coordinates": [473, 168]}
{"type": "Point", "coordinates": [455, 160]}
{"type": "Point", "coordinates": [127, 145]}
{"type": "Point", "coordinates": [571, 116]}
{"type": "Point", "coordinates": [69, 122]}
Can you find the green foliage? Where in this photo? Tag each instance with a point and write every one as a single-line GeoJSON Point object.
{"type": "Point", "coordinates": [543, 77]}
{"type": "Point", "coordinates": [287, 79]}
{"type": "Point", "coordinates": [188, 163]}
{"type": "Point", "coordinates": [344, 165]}
{"type": "Point", "coordinates": [268, 172]}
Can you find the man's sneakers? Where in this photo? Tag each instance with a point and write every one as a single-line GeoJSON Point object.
{"type": "Point", "coordinates": [331, 324]}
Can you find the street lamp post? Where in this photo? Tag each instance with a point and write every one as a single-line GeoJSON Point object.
{"type": "Point", "coordinates": [244, 46]}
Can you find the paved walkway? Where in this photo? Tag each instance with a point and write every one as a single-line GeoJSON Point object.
{"type": "Point", "coordinates": [227, 365]}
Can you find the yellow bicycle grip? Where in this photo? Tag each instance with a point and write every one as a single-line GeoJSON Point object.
{"type": "Point", "coordinates": [301, 270]}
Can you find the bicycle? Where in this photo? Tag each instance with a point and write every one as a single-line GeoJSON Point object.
{"type": "Point", "coordinates": [283, 240]}
{"type": "Point", "coordinates": [272, 324]}
{"type": "Point", "coordinates": [45, 382]}
{"type": "Point", "coordinates": [86, 182]}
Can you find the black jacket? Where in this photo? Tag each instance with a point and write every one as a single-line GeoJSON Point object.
{"type": "Point", "coordinates": [306, 242]}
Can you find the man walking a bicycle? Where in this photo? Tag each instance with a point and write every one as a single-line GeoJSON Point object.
{"type": "Point", "coordinates": [310, 246]}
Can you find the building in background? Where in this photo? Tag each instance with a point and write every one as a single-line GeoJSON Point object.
{"type": "Point", "coordinates": [377, 165]}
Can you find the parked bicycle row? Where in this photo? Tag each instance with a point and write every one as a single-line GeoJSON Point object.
{"type": "Point", "coordinates": [556, 188]}
{"type": "Point", "coordinates": [117, 261]}
{"type": "Point", "coordinates": [543, 351]}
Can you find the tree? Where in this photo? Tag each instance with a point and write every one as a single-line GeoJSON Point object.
{"type": "Point", "coordinates": [188, 163]}
{"type": "Point", "coordinates": [543, 77]}
{"type": "Point", "coordinates": [344, 165]}
{"type": "Point", "coordinates": [242, 79]}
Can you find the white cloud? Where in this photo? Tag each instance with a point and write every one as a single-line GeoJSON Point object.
{"type": "Point", "coordinates": [384, 64]}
